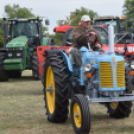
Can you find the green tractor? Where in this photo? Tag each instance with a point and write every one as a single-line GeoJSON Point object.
{"type": "Point", "coordinates": [22, 36]}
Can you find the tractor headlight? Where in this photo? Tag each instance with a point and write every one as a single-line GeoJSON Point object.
{"type": "Point", "coordinates": [18, 54]}
{"type": "Point", "coordinates": [87, 67]}
{"type": "Point", "coordinates": [132, 64]}
{"type": "Point", "coordinates": [10, 54]}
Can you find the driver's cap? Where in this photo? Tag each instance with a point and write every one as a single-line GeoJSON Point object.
{"type": "Point", "coordinates": [85, 18]}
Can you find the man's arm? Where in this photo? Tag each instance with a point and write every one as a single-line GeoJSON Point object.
{"type": "Point", "coordinates": [79, 36]}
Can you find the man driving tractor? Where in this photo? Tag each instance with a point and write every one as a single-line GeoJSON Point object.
{"type": "Point", "coordinates": [80, 35]}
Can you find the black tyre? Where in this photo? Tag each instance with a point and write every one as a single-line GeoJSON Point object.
{"type": "Point", "coordinates": [80, 114]}
{"type": "Point", "coordinates": [3, 74]}
{"type": "Point", "coordinates": [14, 74]}
{"type": "Point", "coordinates": [122, 109]}
{"type": "Point", "coordinates": [35, 66]}
{"type": "Point", "coordinates": [56, 89]}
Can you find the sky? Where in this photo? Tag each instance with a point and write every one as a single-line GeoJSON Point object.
{"type": "Point", "coordinates": [59, 9]}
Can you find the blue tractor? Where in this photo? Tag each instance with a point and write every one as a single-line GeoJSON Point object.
{"type": "Point", "coordinates": [103, 78]}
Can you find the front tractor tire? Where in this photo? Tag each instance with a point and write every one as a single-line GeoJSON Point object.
{"type": "Point", "coordinates": [56, 89]}
{"type": "Point", "coordinates": [35, 66]}
{"type": "Point", "coordinates": [80, 114]}
{"type": "Point", "coordinates": [122, 109]}
{"type": "Point", "coordinates": [3, 74]}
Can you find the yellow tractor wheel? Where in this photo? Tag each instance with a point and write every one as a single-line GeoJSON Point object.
{"type": "Point", "coordinates": [56, 89]}
{"type": "Point", "coordinates": [50, 90]}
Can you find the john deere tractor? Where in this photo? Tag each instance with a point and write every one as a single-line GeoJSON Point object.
{"type": "Point", "coordinates": [103, 77]}
{"type": "Point", "coordinates": [22, 36]}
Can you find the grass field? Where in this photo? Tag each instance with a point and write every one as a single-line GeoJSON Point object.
{"type": "Point", "coordinates": [22, 112]}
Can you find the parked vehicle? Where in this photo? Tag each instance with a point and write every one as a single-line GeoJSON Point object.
{"type": "Point", "coordinates": [22, 36]}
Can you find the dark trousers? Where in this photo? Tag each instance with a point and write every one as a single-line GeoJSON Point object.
{"type": "Point", "coordinates": [75, 57]}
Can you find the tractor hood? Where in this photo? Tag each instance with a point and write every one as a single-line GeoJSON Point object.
{"type": "Point", "coordinates": [95, 57]}
{"type": "Point", "coordinates": [17, 42]}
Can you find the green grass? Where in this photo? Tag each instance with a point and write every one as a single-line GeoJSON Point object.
{"type": "Point", "coordinates": [22, 112]}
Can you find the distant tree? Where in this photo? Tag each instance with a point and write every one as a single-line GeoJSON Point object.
{"type": "Point", "coordinates": [64, 22]}
{"type": "Point", "coordinates": [128, 9]}
{"type": "Point", "coordinates": [16, 11]}
{"type": "Point", "coordinates": [77, 14]}
{"type": "Point", "coordinates": [60, 22]}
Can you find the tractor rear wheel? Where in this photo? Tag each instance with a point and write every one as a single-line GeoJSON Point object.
{"type": "Point", "coordinates": [80, 114]}
{"type": "Point", "coordinates": [35, 66]}
{"type": "Point", "coordinates": [3, 74]}
{"type": "Point", "coordinates": [56, 89]}
{"type": "Point", "coordinates": [122, 109]}
{"type": "Point", "coordinates": [14, 74]}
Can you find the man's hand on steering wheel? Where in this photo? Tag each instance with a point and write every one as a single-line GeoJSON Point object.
{"type": "Point", "coordinates": [98, 45]}
{"type": "Point", "coordinates": [92, 33]}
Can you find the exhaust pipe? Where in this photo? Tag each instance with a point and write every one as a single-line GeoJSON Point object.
{"type": "Point", "coordinates": [111, 38]}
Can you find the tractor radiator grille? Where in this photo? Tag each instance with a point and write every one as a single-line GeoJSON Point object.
{"type": "Point", "coordinates": [106, 75]}
{"type": "Point", "coordinates": [120, 74]}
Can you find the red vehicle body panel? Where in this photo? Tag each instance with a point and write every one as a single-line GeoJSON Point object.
{"type": "Point", "coordinates": [62, 29]}
{"type": "Point", "coordinates": [130, 48]}
{"type": "Point", "coordinates": [42, 55]}
{"type": "Point", "coordinates": [106, 47]}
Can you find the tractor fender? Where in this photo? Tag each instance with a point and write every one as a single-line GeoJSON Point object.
{"type": "Point", "coordinates": [64, 55]}
{"type": "Point", "coordinates": [66, 61]}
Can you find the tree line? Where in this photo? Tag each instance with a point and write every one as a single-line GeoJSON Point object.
{"type": "Point", "coordinates": [73, 19]}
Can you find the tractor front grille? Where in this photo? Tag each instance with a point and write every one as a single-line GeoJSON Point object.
{"type": "Point", "coordinates": [106, 75]}
{"type": "Point", "coordinates": [120, 74]}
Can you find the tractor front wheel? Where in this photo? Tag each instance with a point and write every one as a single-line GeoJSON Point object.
{"type": "Point", "coordinates": [80, 114]}
{"type": "Point", "coordinates": [3, 74]}
{"type": "Point", "coordinates": [35, 66]}
{"type": "Point", "coordinates": [14, 74]}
